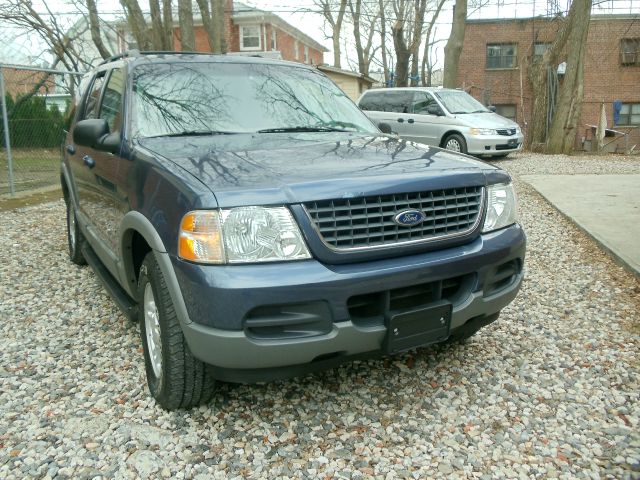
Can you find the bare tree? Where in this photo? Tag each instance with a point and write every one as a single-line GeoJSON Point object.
{"type": "Point", "coordinates": [547, 114]}
{"type": "Point", "coordinates": [407, 35]}
{"type": "Point", "coordinates": [94, 25]}
{"type": "Point", "coordinates": [383, 40]}
{"type": "Point", "coordinates": [328, 9]}
{"type": "Point", "coordinates": [185, 21]}
{"type": "Point", "coordinates": [453, 49]}
{"type": "Point", "coordinates": [137, 23]}
{"type": "Point", "coordinates": [562, 133]}
{"type": "Point", "coordinates": [428, 44]}
{"type": "Point", "coordinates": [213, 22]}
{"type": "Point", "coordinates": [363, 43]}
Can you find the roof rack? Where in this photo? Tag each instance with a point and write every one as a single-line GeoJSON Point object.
{"type": "Point", "coordinates": [138, 53]}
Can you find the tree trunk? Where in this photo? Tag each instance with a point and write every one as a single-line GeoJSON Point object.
{"type": "Point", "coordinates": [402, 54]}
{"type": "Point", "coordinates": [167, 26]}
{"type": "Point", "coordinates": [137, 23]}
{"type": "Point", "coordinates": [453, 49]}
{"type": "Point", "coordinates": [185, 20]}
{"type": "Point", "coordinates": [425, 57]}
{"type": "Point", "coordinates": [562, 134]}
{"type": "Point", "coordinates": [336, 33]}
{"type": "Point", "coordinates": [383, 42]}
{"type": "Point", "coordinates": [94, 22]}
{"type": "Point", "coordinates": [355, 17]}
{"type": "Point", "coordinates": [208, 23]}
{"type": "Point", "coordinates": [156, 25]}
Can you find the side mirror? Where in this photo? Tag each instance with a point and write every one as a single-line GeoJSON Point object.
{"type": "Point", "coordinates": [433, 109]}
{"type": "Point", "coordinates": [94, 133]}
{"type": "Point", "coordinates": [492, 108]}
{"type": "Point", "coordinates": [385, 128]}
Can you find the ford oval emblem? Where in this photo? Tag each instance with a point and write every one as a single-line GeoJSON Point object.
{"type": "Point", "coordinates": [409, 218]}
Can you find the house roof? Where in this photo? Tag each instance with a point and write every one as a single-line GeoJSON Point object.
{"type": "Point", "coordinates": [244, 14]}
{"type": "Point", "coordinates": [348, 73]}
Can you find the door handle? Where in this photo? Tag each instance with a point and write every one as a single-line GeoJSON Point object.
{"type": "Point", "coordinates": [400, 120]}
{"type": "Point", "coordinates": [410, 120]}
{"type": "Point", "coordinates": [88, 161]}
{"type": "Point", "coordinates": [71, 149]}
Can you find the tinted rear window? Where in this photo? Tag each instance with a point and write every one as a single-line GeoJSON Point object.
{"type": "Point", "coordinates": [387, 101]}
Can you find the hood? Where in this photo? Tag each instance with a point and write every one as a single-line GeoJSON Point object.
{"type": "Point", "coordinates": [486, 120]}
{"type": "Point", "coordinates": [272, 169]}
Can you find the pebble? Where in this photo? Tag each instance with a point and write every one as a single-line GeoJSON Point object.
{"type": "Point", "coordinates": [549, 390]}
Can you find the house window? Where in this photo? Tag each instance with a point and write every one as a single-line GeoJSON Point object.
{"type": "Point", "coordinates": [296, 50]}
{"type": "Point", "coordinates": [629, 114]}
{"type": "Point", "coordinates": [274, 39]}
{"type": "Point", "coordinates": [507, 111]}
{"type": "Point", "coordinates": [539, 49]}
{"type": "Point", "coordinates": [306, 54]}
{"type": "Point", "coordinates": [503, 55]}
{"type": "Point", "coordinates": [630, 51]}
{"type": "Point", "coordinates": [250, 37]}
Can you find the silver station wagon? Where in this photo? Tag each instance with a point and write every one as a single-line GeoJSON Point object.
{"type": "Point", "coordinates": [441, 117]}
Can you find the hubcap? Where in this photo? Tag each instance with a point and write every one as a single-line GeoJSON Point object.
{"type": "Point", "coordinates": [152, 330]}
{"type": "Point", "coordinates": [453, 144]}
{"type": "Point", "coordinates": [72, 227]}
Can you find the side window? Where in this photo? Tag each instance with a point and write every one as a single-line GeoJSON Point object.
{"type": "Point", "coordinates": [112, 100]}
{"type": "Point", "coordinates": [93, 97]}
{"type": "Point", "coordinates": [398, 102]}
{"type": "Point", "coordinates": [421, 101]}
{"type": "Point", "coordinates": [372, 101]}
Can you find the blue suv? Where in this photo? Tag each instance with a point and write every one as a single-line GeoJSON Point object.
{"type": "Point", "coordinates": [259, 226]}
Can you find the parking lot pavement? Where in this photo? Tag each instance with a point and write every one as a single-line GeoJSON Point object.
{"type": "Point", "coordinates": [607, 207]}
{"type": "Point", "coordinates": [551, 390]}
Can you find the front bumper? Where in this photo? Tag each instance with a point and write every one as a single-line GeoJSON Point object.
{"type": "Point", "coordinates": [493, 144]}
{"type": "Point", "coordinates": [233, 316]}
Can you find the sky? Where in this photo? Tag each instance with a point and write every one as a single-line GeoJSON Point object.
{"type": "Point", "coordinates": [26, 48]}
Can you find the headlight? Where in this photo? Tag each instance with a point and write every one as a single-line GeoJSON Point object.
{"type": "Point", "coordinates": [482, 131]}
{"type": "Point", "coordinates": [518, 129]}
{"type": "Point", "coordinates": [241, 235]}
{"type": "Point", "coordinates": [502, 207]}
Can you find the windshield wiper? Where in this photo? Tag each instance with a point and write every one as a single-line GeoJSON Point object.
{"type": "Point", "coordinates": [301, 129]}
{"type": "Point", "coordinates": [193, 133]}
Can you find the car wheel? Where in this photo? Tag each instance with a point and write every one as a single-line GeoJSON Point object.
{"type": "Point", "coordinates": [456, 143]}
{"type": "Point", "coordinates": [75, 237]}
{"type": "Point", "coordinates": [176, 379]}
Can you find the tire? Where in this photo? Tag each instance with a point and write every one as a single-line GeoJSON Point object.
{"type": "Point", "coordinates": [75, 238]}
{"type": "Point", "coordinates": [455, 142]}
{"type": "Point", "coordinates": [176, 379]}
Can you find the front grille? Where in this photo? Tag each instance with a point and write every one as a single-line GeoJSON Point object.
{"type": "Point", "coordinates": [368, 222]}
{"type": "Point", "coordinates": [506, 146]}
{"type": "Point", "coordinates": [506, 131]}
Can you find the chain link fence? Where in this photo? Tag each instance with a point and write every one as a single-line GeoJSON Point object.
{"type": "Point", "coordinates": [35, 112]}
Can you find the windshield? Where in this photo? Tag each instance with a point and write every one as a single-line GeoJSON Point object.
{"type": "Point", "coordinates": [460, 102]}
{"type": "Point", "coordinates": [224, 98]}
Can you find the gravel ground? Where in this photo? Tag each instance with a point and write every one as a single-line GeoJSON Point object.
{"type": "Point", "coordinates": [551, 390]}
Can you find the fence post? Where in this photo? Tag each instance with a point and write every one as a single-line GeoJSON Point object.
{"type": "Point", "coordinates": [5, 122]}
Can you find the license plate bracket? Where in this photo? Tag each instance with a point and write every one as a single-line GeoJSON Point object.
{"type": "Point", "coordinates": [417, 328]}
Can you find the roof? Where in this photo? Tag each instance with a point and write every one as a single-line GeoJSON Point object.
{"type": "Point", "coordinates": [348, 73]}
{"type": "Point", "coordinates": [244, 14]}
{"type": "Point", "coordinates": [616, 16]}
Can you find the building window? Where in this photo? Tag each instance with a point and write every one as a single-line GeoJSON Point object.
{"type": "Point", "coordinates": [296, 50]}
{"type": "Point", "coordinates": [630, 51]}
{"type": "Point", "coordinates": [306, 54]}
{"type": "Point", "coordinates": [539, 49]}
{"type": "Point", "coordinates": [274, 39]}
{"type": "Point", "coordinates": [507, 111]}
{"type": "Point", "coordinates": [503, 55]}
{"type": "Point", "coordinates": [629, 114]}
{"type": "Point", "coordinates": [250, 37]}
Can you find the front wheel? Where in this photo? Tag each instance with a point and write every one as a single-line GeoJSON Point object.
{"type": "Point", "coordinates": [456, 143]}
{"type": "Point", "coordinates": [175, 377]}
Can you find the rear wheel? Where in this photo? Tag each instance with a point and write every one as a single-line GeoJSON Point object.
{"type": "Point", "coordinates": [75, 237]}
{"type": "Point", "coordinates": [175, 377]}
{"type": "Point", "coordinates": [456, 143]}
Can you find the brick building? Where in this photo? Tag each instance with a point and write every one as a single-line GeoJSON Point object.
{"type": "Point", "coordinates": [251, 31]}
{"type": "Point", "coordinates": [496, 55]}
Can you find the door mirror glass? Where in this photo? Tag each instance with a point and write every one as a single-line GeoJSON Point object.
{"type": "Point", "coordinates": [434, 109]}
